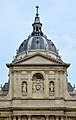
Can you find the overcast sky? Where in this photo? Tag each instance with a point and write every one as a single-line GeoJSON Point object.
{"type": "Point", "coordinates": [59, 24]}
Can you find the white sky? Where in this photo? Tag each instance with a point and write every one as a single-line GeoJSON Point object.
{"type": "Point", "coordinates": [59, 24]}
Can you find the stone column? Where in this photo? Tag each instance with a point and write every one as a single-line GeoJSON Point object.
{"type": "Point", "coordinates": [62, 118]}
{"type": "Point", "coordinates": [47, 117]}
{"type": "Point", "coordinates": [69, 118]}
{"type": "Point", "coordinates": [10, 118]}
{"type": "Point", "coordinates": [6, 118]}
{"type": "Point", "coordinates": [19, 117]}
{"type": "Point", "coordinates": [29, 117]}
{"type": "Point", "coordinates": [66, 118]}
{"type": "Point", "coordinates": [57, 117]}
{"type": "Point", "coordinates": [14, 117]}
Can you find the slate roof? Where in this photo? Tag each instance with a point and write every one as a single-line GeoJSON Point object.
{"type": "Point", "coordinates": [5, 87]}
{"type": "Point", "coordinates": [70, 88]}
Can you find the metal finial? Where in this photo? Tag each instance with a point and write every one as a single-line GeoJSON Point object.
{"type": "Point", "coordinates": [37, 11]}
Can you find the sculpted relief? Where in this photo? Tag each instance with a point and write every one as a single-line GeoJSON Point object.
{"type": "Point", "coordinates": [37, 84]}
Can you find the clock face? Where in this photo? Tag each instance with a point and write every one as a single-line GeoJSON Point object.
{"type": "Point", "coordinates": [38, 87]}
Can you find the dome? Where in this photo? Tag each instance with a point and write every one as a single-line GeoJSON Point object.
{"type": "Point", "coordinates": [37, 43]}
{"type": "Point", "coordinates": [37, 40]}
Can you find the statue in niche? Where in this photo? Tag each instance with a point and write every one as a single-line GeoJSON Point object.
{"type": "Point", "coordinates": [51, 87]}
{"type": "Point", "coordinates": [24, 87]}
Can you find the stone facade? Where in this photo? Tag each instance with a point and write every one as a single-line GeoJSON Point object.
{"type": "Point", "coordinates": [38, 89]}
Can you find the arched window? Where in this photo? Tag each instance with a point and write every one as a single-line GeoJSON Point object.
{"type": "Point", "coordinates": [38, 76]}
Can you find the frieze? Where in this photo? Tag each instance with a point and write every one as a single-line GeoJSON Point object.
{"type": "Point", "coordinates": [24, 73]}
{"type": "Point", "coordinates": [51, 72]}
{"type": "Point", "coordinates": [17, 71]}
{"type": "Point", "coordinates": [24, 78]}
{"type": "Point", "coordinates": [51, 76]}
{"type": "Point", "coordinates": [53, 79]}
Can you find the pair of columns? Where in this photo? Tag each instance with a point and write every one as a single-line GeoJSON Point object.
{"type": "Point", "coordinates": [29, 118]}
{"type": "Point", "coordinates": [19, 118]}
{"type": "Point", "coordinates": [14, 118]}
{"type": "Point", "coordinates": [57, 118]}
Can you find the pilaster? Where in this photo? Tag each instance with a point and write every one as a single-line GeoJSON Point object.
{"type": "Point", "coordinates": [61, 84]}
{"type": "Point", "coordinates": [66, 94]}
{"type": "Point", "coordinates": [29, 86]}
{"type": "Point", "coordinates": [16, 92]}
{"type": "Point", "coordinates": [19, 83]}
{"type": "Point", "coordinates": [57, 83]}
{"type": "Point", "coordinates": [11, 77]}
{"type": "Point", "coordinates": [46, 84]}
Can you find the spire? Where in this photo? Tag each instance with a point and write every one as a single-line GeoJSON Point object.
{"type": "Point", "coordinates": [37, 25]}
{"type": "Point", "coordinates": [37, 18]}
{"type": "Point", "coordinates": [37, 11]}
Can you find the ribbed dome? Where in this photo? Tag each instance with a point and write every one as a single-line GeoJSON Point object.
{"type": "Point", "coordinates": [36, 43]}
{"type": "Point", "coordinates": [37, 40]}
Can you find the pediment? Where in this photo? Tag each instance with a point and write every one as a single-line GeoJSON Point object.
{"type": "Point", "coordinates": [38, 59]}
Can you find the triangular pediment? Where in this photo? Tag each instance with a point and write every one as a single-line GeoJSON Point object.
{"type": "Point", "coordinates": [38, 59]}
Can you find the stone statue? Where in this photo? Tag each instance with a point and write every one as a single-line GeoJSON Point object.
{"type": "Point", "coordinates": [24, 87]}
{"type": "Point", "coordinates": [51, 87]}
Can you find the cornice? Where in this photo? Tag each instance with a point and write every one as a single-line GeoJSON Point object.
{"type": "Point", "coordinates": [66, 109]}
{"type": "Point", "coordinates": [16, 63]}
{"type": "Point", "coordinates": [31, 65]}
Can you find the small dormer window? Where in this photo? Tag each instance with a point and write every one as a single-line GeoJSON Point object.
{"type": "Point", "coordinates": [38, 76]}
